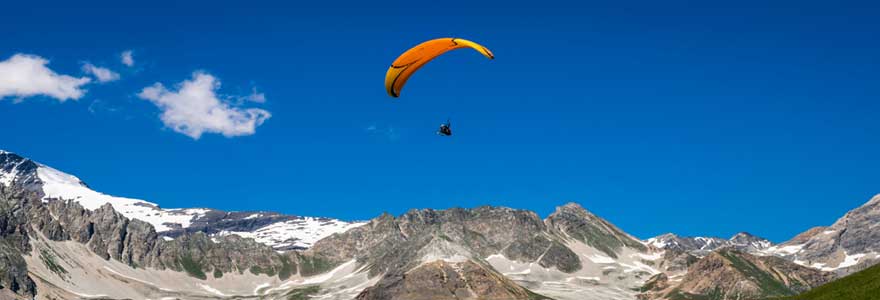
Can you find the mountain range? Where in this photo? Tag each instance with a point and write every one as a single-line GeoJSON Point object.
{"type": "Point", "coordinates": [59, 239]}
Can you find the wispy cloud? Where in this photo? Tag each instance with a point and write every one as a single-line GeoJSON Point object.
{"type": "Point", "coordinates": [102, 74]}
{"type": "Point", "coordinates": [127, 58]}
{"type": "Point", "coordinates": [24, 75]}
{"type": "Point", "coordinates": [256, 96]}
{"type": "Point", "coordinates": [195, 108]}
{"type": "Point", "coordinates": [387, 132]}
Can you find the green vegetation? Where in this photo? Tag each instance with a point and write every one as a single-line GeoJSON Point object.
{"type": "Point", "coordinates": [863, 285]}
{"type": "Point", "coordinates": [443, 236]}
{"type": "Point", "coordinates": [303, 293]}
{"type": "Point", "coordinates": [287, 268]}
{"type": "Point", "coordinates": [217, 273]}
{"type": "Point", "coordinates": [192, 267]}
{"type": "Point", "coordinates": [257, 270]}
{"type": "Point", "coordinates": [594, 237]}
{"type": "Point", "coordinates": [716, 294]}
{"type": "Point", "coordinates": [311, 265]}
{"type": "Point", "coordinates": [49, 260]}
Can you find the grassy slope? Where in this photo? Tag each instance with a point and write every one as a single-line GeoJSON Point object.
{"type": "Point", "coordinates": [863, 285]}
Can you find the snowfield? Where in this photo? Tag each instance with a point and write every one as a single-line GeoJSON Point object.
{"type": "Point", "coordinates": [302, 233]}
{"type": "Point", "coordinates": [59, 185]}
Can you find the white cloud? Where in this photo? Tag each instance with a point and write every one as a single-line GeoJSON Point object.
{"type": "Point", "coordinates": [256, 96]}
{"type": "Point", "coordinates": [24, 75]}
{"type": "Point", "coordinates": [102, 74]}
{"type": "Point", "coordinates": [127, 58]}
{"type": "Point", "coordinates": [195, 108]}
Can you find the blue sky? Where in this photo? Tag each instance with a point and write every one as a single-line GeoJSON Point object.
{"type": "Point", "coordinates": [685, 117]}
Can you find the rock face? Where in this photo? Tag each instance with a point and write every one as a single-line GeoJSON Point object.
{"type": "Point", "coordinates": [411, 248]}
{"type": "Point", "coordinates": [849, 245]}
{"type": "Point", "coordinates": [388, 243]}
{"type": "Point", "coordinates": [408, 250]}
{"type": "Point", "coordinates": [14, 244]}
{"type": "Point", "coordinates": [730, 274]}
{"type": "Point", "coordinates": [572, 220]}
{"type": "Point", "coordinates": [447, 280]}
{"type": "Point", "coordinates": [110, 236]}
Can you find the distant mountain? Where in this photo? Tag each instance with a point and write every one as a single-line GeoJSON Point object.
{"type": "Point", "coordinates": [701, 246]}
{"type": "Point", "coordinates": [282, 232]}
{"type": "Point", "coordinates": [849, 245]}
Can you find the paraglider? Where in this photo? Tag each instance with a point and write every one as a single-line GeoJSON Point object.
{"type": "Point", "coordinates": [410, 61]}
{"type": "Point", "coordinates": [445, 129]}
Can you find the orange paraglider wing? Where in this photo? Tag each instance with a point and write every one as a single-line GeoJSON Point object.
{"type": "Point", "coordinates": [410, 61]}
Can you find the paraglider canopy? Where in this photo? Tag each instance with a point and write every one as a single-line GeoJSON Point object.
{"type": "Point", "coordinates": [410, 61]}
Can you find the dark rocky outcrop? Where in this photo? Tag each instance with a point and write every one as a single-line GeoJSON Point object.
{"type": "Point", "coordinates": [14, 279]}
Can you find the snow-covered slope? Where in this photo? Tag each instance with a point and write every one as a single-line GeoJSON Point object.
{"type": "Point", "coordinates": [297, 233]}
{"type": "Point", "coordinates": [276, 230]}
{"type": "Point", "coordinates": [59, 185]}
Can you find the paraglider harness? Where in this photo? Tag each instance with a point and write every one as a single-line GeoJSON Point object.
{"type": "Point", "coordinates": [445, 129]}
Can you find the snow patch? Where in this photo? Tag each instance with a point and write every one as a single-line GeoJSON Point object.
{"type": "Point", "coordinates": [850, 260]}
{"type": "Point", "coordinates": [302, 233]}
{"type": "Point", "coordinates": [785, 250]}
{"type": "Point", "coordinates": [259, 287]}
{"type": "Point", "coordinates": [211, 289]}
{"type": "Point", "coordinates": [652, 256]}
{"type": "Point", "coordinates": [326, 276]}
{"type": "Point", "coordinates": [600, 259]}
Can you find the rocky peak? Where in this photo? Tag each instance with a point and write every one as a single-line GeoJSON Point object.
{"type": "Point", "coordinates": [851, 244]}
{"type": "Point", "coordinates": [870, 211]}
{"type": "Point", "coordinates": [573, 207]}
{"type": "Point", "coordinates": [573, 221]}
{"type": "Point", "coordinates": [745, 241]}
{"type": "Point", "coordinates": [19, 171]}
